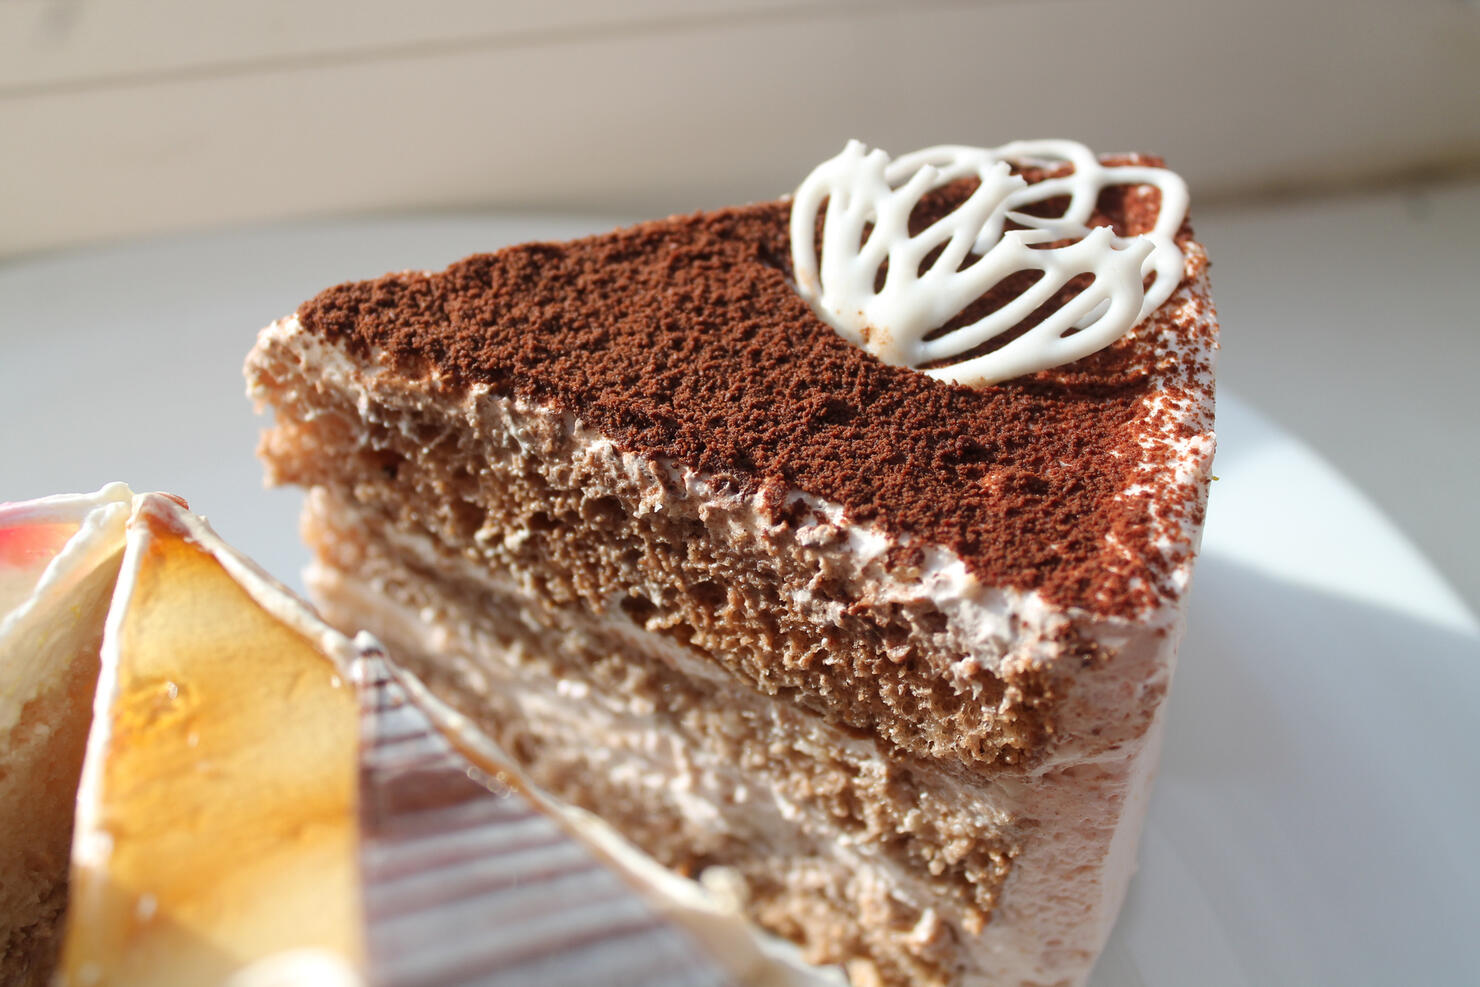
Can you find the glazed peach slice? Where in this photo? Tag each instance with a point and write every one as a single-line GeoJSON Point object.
{"type": "Point", "coordinates": [216, 820]}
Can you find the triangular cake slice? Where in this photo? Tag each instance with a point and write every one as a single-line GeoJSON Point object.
{"type": "Point", "coordinates": [58, 560]}
{"type": "Point", "coordinates": [763, 582]}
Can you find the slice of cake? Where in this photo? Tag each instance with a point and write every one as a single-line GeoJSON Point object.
{"type": "Point", "coordinates": [839, 544]}
{"type": "Point", "coordinates": [58, 559]}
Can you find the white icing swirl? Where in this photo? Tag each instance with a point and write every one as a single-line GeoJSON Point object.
{"type": "Point", "coordinates": [866, 229]}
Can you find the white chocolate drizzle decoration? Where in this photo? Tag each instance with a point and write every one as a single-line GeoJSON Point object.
{"type": "Point", "coordinates": [866, 227]}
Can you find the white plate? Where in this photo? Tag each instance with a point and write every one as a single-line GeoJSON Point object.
{"type": "Point", "coordinates": [1315, 819]}
{"type": "Point", "coordinates": [1316, 816]}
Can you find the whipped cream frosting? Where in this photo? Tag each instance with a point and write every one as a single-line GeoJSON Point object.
{"type": "Point", "coordinates": [931, 277]}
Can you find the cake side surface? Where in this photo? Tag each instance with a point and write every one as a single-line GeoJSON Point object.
{"type": "Point", "coordinates": [852, 847]}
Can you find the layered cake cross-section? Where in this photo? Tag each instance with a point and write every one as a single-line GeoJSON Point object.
{"type": "Point", "coordinates": [837, 545]}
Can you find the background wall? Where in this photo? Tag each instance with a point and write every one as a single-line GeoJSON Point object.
{"type": "Point", "coordinates": [120, 117]}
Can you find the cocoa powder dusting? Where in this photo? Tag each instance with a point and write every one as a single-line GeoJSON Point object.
{"type": "Point", "coordinates": [683, 338]}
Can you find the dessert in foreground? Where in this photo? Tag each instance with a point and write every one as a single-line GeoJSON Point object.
{"type": "Point", "coordinates": [216, 816]}
{"type": "Point", "coordinates": [58, 560]}
{"type": "Point", "coordinates": [860, 575]}
{"type": "Point", "coordinates": [265, 801]}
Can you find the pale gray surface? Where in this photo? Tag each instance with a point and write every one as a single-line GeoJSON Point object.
{"type": "Point", "coordinates": [1354, 322]}
{"type": "Point", "coordinates": [1289, 840]}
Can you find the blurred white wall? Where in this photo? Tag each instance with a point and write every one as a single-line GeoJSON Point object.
{"type": "Point", "coordinates": [122, 117]}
